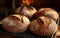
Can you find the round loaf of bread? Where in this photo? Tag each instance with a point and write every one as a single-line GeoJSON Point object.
{"type": "Point", "coordinates": [15, 23]}
{"type": "Point", "coordinates": [27, 11]}
{"type": "Point", "coordinates": [47, 12]}
{"type": "Point", "coordinates": [44, 26]}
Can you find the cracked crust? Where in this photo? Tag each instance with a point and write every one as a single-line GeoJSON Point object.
{"type": "Point", "coordinates": [15, 23]}
{"type": "Point", "coordinates": [40, 28]}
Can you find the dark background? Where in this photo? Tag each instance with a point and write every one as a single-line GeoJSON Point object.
{"type": "Point", "coordinates": [36, 3]}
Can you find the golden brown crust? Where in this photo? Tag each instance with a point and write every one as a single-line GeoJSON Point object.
{"type": "Point", "coordinates": [38, 14]}
{"type": "Point", "coordinates": [49, 12]}
{"type": "Point", "coordinates": [42, 28]}
{"type": "Point", "coordinates": [28, 11]}
{"type": "Point", "coordinates": [15, 24]}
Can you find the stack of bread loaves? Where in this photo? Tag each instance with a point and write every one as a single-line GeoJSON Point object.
{"type": "Point", "coordinates": [19, 22]}
{"type": "Point", "coordinates": [43, 23]}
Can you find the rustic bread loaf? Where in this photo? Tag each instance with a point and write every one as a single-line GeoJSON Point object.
{"type": "Point", "coordinates": [43, 26]}
{"type": "Point", "coordinates": [15, 23]}
{"type": "Point", "coordinates": [47, 12]}
{"type": "Point", "coordinates": [27, 11]}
